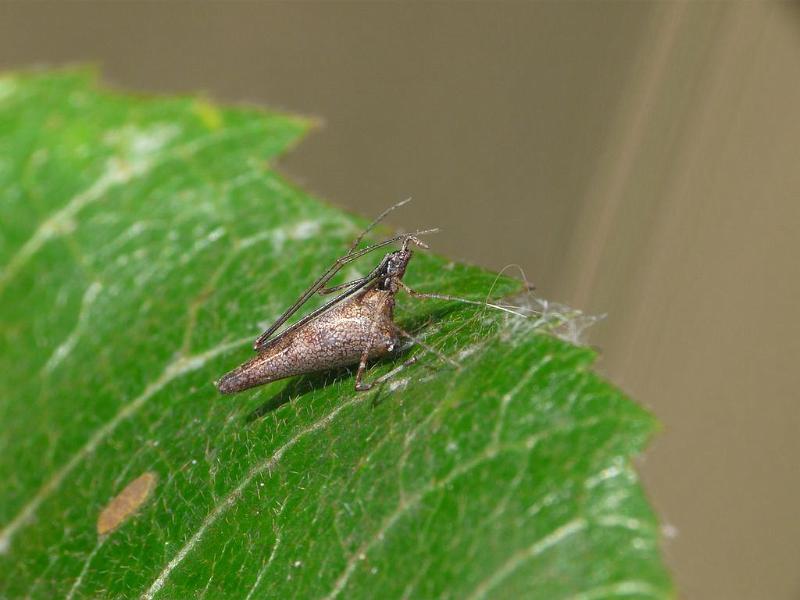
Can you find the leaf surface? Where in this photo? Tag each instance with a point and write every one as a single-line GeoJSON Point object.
{"type": "Point", "coordinates": [144, 243]}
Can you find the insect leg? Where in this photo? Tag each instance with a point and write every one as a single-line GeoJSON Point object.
{"type": "Point", "coordinates": [427, 346]}
{"type": "Point", "coordinates": [417, 294]}
{"type": "Point", "coordinates": [361, 386]}
{"type": "Point", "coordinates": [362, 365]}
{"type": "Point", "coordinates": [386, 376]}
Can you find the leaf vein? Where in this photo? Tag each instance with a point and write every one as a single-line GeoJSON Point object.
{"type": "Point", "coordinates": [516, 560]}
{"type": "Point", "coordinates": [230, 500]}
{"type": "Point", "coordinates": [177, 368]}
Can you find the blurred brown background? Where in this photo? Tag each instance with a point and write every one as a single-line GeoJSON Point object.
{"type": "Point", "coordinates": [637, 159]}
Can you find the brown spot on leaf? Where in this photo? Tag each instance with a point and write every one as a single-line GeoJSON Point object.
{"type": "Point", "coordinates": [126, 503]}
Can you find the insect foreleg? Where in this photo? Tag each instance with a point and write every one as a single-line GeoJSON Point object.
{"type": "Point", "coordinates": [417, 294]}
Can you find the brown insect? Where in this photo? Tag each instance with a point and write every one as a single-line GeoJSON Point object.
{"type": "Point", "coordinates": [126, 503]}
{"type": "Point", "coordinates": [355, 327]}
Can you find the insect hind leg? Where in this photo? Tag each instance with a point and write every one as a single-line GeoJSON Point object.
{"type": "Point", "coordinates": [443, 357]}
{"type": "Point", "coordinates": [363, 386]}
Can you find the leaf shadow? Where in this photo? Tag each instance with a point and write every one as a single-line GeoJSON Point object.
{"type": "Point", "coordinates": [299, 386]}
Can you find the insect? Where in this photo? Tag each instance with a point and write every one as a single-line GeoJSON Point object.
{"type": "Point", "coordinates": [353, 328]}
{"type": "Point", "coordinates": [126, 503]}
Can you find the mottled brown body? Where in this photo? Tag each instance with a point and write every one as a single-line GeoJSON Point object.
{"type": "Point", "coordinates": [336, 338]}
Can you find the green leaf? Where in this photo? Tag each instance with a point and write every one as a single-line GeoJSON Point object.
{"type": "Point", "coordinates": [144, 243]}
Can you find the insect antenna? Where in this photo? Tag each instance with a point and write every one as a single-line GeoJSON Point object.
{"type": "Point", "coordinates": [372, 225]}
